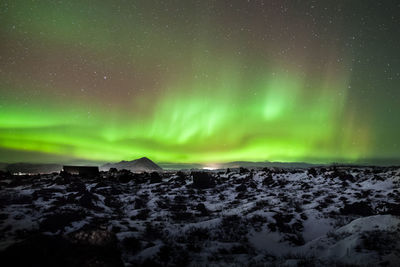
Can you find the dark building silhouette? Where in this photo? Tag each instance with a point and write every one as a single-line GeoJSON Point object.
{"type": "Point", "coordinates": [82, 170]}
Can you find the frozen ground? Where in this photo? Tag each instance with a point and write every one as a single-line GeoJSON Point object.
{"type": "Point", "coordinates": [293, 217]}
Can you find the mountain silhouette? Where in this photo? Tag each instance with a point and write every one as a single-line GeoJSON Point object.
{"type": "Point", "coordinates": [142, 164]}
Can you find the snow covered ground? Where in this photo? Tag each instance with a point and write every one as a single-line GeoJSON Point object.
{"type": "Point", "coordinates": [285, 217]}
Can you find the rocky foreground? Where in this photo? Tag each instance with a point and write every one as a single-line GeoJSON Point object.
{"type": "Point", "coordinates": [295, 217]}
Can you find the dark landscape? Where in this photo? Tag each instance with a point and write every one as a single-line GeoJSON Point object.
{"type": "Point", "coordinates": [333, 216]}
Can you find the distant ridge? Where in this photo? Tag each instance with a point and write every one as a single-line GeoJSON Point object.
{"type": "Point", "coordinates": [32, 167]}
{"type": "Point", "coordinates": [238, 164]}
{"type": "Point", "coordinates": [262, 164]}
{"type": "Point", "coordinates": [137, 165]}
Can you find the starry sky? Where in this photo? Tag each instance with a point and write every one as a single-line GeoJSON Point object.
{"type": "Point", "coordinates": [200, 81]}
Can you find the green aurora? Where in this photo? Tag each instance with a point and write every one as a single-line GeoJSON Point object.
{"type": "Point", "coordinates": [199, 81]}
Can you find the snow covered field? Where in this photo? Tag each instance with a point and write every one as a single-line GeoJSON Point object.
{"type": "Point", "coordinates": [285, 217]}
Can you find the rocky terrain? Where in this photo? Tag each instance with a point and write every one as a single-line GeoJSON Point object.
{"type": "Point", "coordinates": [333, 216]}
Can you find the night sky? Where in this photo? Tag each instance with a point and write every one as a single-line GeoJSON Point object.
{"type": "Point", "coordinates": [200, 81]}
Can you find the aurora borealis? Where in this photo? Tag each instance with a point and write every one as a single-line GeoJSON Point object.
{"type": "Point", "coordinates": [200, 81]}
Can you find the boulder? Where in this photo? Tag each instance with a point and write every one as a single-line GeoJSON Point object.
{"type": "Point", "coordinates": [203, 180]}
{"type": "Point", "coordinates": [361, 208]}
{"type": "Point", "coordinates": [155, 177]}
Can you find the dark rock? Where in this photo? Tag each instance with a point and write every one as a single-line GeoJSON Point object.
{"type": "Point", "coordinates": [64, 174]}
{"type": "Point", "coordinates": [232, 229]}
{"type": "Point", "coordinates": [43, 250]}
{"type": "Point", "coordinates": [312, 172]}
{"type": "Point", "coordinates": [388, 208]}
{"type": "Point", "coordinates": [132, 244]}
{"type": "Point", "coordinates": [202, 208]}
{"type": "Point", "coordinates": [77, 187]}
{"type": "Point", "coordinates": [182, 216]}
{"type": "Point", "coordinates": [243, 170]}
{"type": "Point", "coordinates": [179, 198]}
{"type": "Point", "coordinates": [241, 188]}
{"type": "Point", "coordinates": [45, 193]}
{"type": "Point", "coordinates": [87, 200]}
{"type": "Point", "coordinates": [61, 180]}
{"type": "Point", "coordinates": [125, 176]}
{"type": "Point", "coordinates": [202, 180]}
{"type": "Point", "coordinates": [178, 207]}
{"type": "Point", "coordinates": [268, 181]}
{"type": "Point", "coordinates": [57, 221]}
{"type": "Point", "coordinates": [155, 178]}
{"type": "Point", "coordinates": [5, 175]}
{"type": "Point", "coordinates": [142, 215]}
{"type": "Point", "coordinates": [113, 170]}
{"type": "Point", "coordinates": [282, 223]}
{"type": "Point", "coordinates": [357, 208]}
{"type": "Point", "coordinates": [140, 203]}
{"type": "Point", "coordinates": [181, 177]}
{"type": "Point", "coordinates": [101, 184]}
